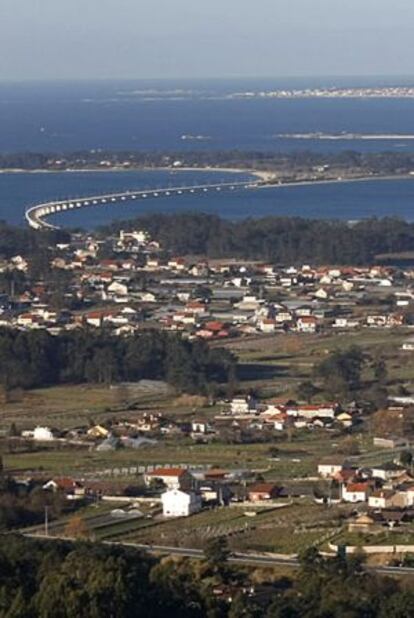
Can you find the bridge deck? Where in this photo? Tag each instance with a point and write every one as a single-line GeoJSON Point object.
{"type": "Point", "coordinates": [35, 215]}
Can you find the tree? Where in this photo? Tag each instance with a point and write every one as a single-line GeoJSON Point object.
{"type": "Point", "coordinates": [310, 558]}
{"type": "Point", "coordinates": [217, 551]}
{"type": "Point", "coordinates": [399, 605]}
{"type": "Point", "coordinates": [306, 390]}
{"type": "Point", "coordinates": [13, 431]}
{"type": "Point", "coordinates": [380, 371]}
{"type": "Point", "coordinates": [406, 458]}
{"type": "Point", "coordinates": [341, 372]}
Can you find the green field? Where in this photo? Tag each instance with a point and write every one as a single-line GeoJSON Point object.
{"type": "Point", "coordinates": [287, 529]}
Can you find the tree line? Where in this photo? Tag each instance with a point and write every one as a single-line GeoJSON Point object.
{"type": "Point", "coordinates": [58, 579]}
{"type": "Point", "coordinates": [284, 240]}
{"type": "Point", "coordinates": [25, 241]}
{"type": "Point", "coordinates": [36, 358]}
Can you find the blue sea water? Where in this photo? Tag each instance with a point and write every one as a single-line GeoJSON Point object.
{"type": "Point", "coordinates": [346, 201]}
{"type": "Point", "coordinates": [153, 115]}
{"type": "Point", "coordinates": [63, 116]}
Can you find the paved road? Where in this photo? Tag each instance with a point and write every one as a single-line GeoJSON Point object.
{"type": "Point", "coordinates": [236, 558]}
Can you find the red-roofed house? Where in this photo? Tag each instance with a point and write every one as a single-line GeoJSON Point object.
{"type": "Point", "coordinates": [307, 324]}
{"type": "Point", "coordinates": [173, 478]}
{"type": "Point", "coordinates": [73, 489]}
{"type": "Point", "coordinates": [263, 491]}
{"type": "Point", "coordinates": [356, 492]}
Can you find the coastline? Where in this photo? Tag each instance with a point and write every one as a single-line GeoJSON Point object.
{"type": "Point", "coordinates": [265, 176]}
{"type": "Point", "coordinates": [303, 183]}
{"type": "Point", "coordinates": [231, 170]}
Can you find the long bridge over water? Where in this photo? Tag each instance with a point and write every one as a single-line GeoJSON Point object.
{"type": "Point", "coordinates": [36, 215]}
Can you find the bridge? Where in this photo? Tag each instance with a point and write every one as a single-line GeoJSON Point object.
{"type": "Point", "coordinates": [36, 215]}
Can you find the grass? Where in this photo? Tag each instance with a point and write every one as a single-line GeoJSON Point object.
{"type": "Point", "coordinates": [70, 406]}
{"type": "Point", "coordinates": [400, 536]}
{"type": "Point", "coordinates": [295, 459]}
{"type": "Point", "coordinates": [284, 530]}
{"type": "Point", "coordinates": [277, 364]}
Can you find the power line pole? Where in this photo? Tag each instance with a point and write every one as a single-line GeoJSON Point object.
{"type": "Point", "coordinates": [46, 521]}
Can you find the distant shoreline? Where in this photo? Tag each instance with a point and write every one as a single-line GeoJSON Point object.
{"type": "Point", "coordinates": [266, 176]}
{"type": "Point", "coordinates": [345, 136]}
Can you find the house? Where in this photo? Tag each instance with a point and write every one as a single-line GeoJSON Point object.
{"type": "Point", "coordinates": [215, 493]}
{"type": "Point", "coordinates": [382, 499]}
{"type": "Point", "coordinates": [314, 411]}
{"type": "Point", "coordinates": [43, 434]}
{"type": "Point", "coordinates": [306, 324]}
{"type": "Point", "coordinates": [345, 323]}
{"type": "Point", "coordinates": [146, 297]}
{"type": "Point", "coordinates": [328, 468]}
{"type": "Point", "coordinates": [356, 492]}
{"type": "Point", "coordinates": [28, 319]}
{"type": "Point", "coordinates": [409, 491]}
{"type": "Point", "coordinates": [387, 471]}
{"type": "Point", "coordinates": [176, 264]}
{"type": "Point", "coordinates": [362, 523]}
{"type": "Point", "coordinates": [263, 491]}
{"type": "Point", "coordinates": [97, 431]}
{"type": "Point", "coordinates": [277, 421]}
{"type": "Point", "coordinates": [267, 325]}
{"type": "Point", "coordinates": [391, 442]}
{"type": "Point", "coordinates": [195, 307]}
{"type": "Point", "coordinates": [177, 503]}
{"type": "Point", "coordinates": [97, 318]}
{"type": "Point", "coordinates": [73, 489]}
{"type": "Point", "coordinates": [200, 426]}
{"type": "Point", "coordinates": [249, 303]}
{"type": "Point", "coordinates": [242, 405]}
{"type": "Point", "coordinates": [118, 289]}
{"type": "Point", "coordinates": [321, 294]}
{"type": "Point", "coordinates": [173, 478]}
{"type": "Point", "coordinates": [345, 419]}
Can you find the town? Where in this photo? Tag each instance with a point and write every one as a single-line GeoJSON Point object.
{"type": "Point", "coordinates": [306, 442]}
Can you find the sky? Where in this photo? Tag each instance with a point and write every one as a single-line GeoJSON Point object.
{"type": "Point", "coordinates": [83, 39]}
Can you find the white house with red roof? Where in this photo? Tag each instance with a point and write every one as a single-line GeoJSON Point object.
{"type": "Point", "coordinates": [356, 492]}
{"type": "Point", "coordinates": [173, 478]}
{"type": "Point", "coordinates": [306, 324]}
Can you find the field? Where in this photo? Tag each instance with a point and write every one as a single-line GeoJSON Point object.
{"type": "Point", "coordinates": [296, 459]}
{"type": "Point", "coordinates": [281, 528]}
{"type": "Point", "coordinates": [277, 364]}
{"type": "Point", "coordinates": [403, 535]}
{"type": "Point", "coordinates": [65, 407]}
{"type": "Point", "coordinates": [273, 365]}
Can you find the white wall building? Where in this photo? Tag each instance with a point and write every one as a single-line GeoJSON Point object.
{"type": "Point", "coordinates": [43, 434]}
{"type": "Point", "coordinates": [177, 503]}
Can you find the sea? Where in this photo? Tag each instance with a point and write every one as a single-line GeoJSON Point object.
{"type": "Point", "coordinates": [193, 115]}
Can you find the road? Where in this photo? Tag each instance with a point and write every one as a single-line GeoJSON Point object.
{"type": "Point", "coordinates": [249, 559]}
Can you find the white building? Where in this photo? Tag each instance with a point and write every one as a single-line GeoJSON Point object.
{"type": "Point", "coordinates": [382, 499]}
{"type": "Point", "coordinates": [120, 289]}
{"type": "Point", "coordinates": [177, 503]}
{"type": "Point", "coordinates": [328, 469]}
{"type": "Point", "coordinates": [43, 434]}
{"type": "Point", "coordinates": [306, 324]}
{"type": "Point", "coordinates": [387, 471]}
{"type": "Point", "coordinates": [173, 478]}
{"type": "Point", "coordinates": [355, 492]}
{"type": "Point", "coordinates": [239, 405]}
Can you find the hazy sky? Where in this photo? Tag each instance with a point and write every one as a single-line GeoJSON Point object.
{"type": "Point", "coordinates": [204, 38]}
